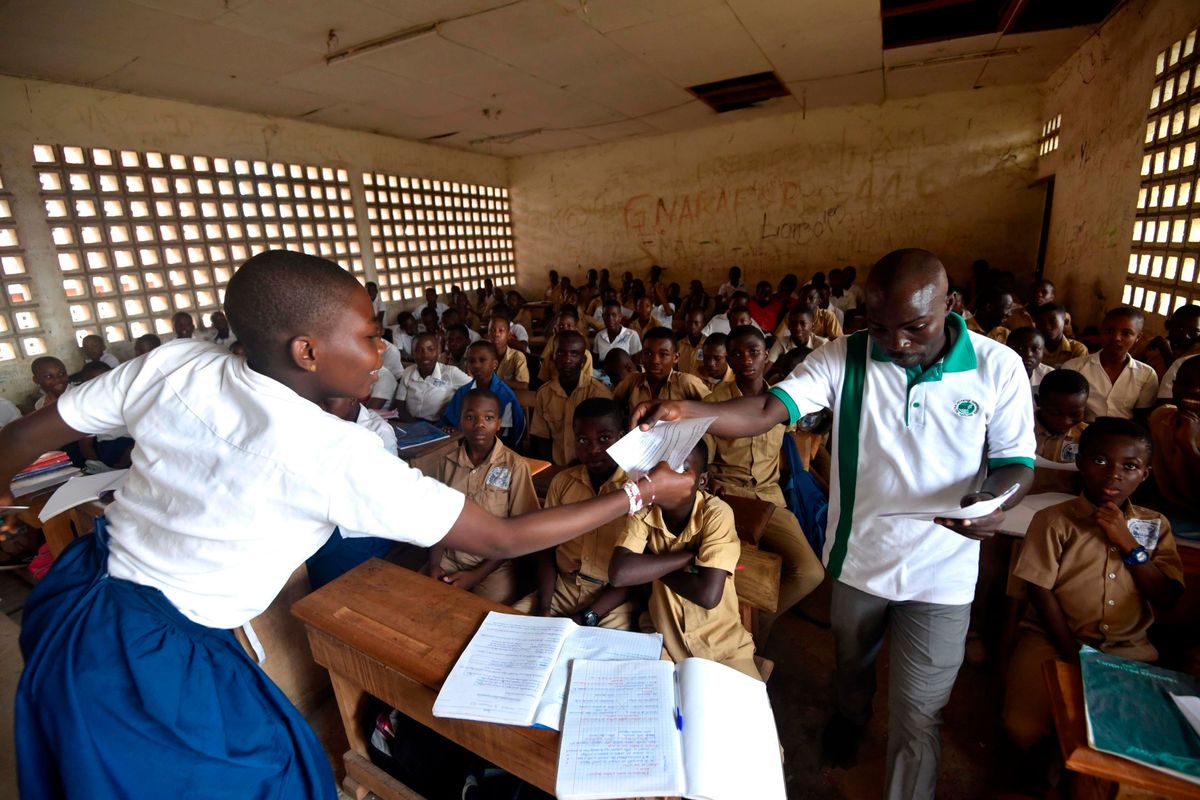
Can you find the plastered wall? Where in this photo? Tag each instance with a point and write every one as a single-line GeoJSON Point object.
{"type": "Point", "coordinates": [792, 192]}
{"type": "Point", "coordinates": [38, 112]}
{"type": "Point", "coordinates": [1103, 94]}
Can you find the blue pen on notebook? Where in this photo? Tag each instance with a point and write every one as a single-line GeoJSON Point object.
{"type": "Point", "coordinates": [678, 706]}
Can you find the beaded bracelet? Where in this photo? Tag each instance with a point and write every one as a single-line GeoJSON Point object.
{"type": "Point", "coordinates": [653, 494]}
{"type": "Point", "coordinates": [635, 497]}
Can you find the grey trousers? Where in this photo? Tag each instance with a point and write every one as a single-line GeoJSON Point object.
{"type": "Point", "coordinates": [927, 641]}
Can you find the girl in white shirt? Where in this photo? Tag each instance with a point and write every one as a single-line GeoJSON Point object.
{"type": "Point", "coordinates": [237, 477]}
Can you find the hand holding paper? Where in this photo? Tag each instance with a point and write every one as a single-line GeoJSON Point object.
{"type": "Point", "coordinates": [964, 515]}
{"type": "Point", "coordinates": [639, 451]}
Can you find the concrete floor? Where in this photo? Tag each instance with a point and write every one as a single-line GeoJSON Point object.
{"type": "Point", "coordinates": [799, 689]}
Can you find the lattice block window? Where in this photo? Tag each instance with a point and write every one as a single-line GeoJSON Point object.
{"type": "Point", "coordinates": [434, 233]}
{"type": "Point", "coordinates": [20, 325]}
{"type": "Point", "coordinates": [1048, 142]}
{"type": "Point", "coordinates": [1162, 273]}
{"type": "Point", "coordinates": [143, 235]}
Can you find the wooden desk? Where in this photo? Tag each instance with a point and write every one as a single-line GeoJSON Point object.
{"type": "Point", "coordinates": [1100, 774]}
{"type": "Point", "coordinates": [386, 631]}
{"type": "Point", "coordinates": [59, 530]}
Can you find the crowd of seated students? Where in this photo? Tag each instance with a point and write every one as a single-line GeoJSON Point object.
{"type": "Point", "coordinates": [556, 380]}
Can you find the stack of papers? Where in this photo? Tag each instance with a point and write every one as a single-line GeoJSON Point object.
{"type": "Point", "coordinates": [640, 451]}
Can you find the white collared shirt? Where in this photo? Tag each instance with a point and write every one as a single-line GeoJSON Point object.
{"type": "Point", "coordinates": [392, 360]}
{"type": "Point", "coordinates": [211, 335]}
{"type": "Point", "coordinates": [917, 449]}
{"type": "Point", "coordinates": [1135, 388]}
{"type": "Point", "coordinates": [1039, 372]}
{"type": "Point", "coordinates": [8, 412]}
{"type": "Point", "coordinates": [385, 388]}
{"type": "Point", "coordinates": [379, 426]}
{"type": "Point", "coordinates": [108, 358]}
{"type": "Point", "coordinates": [1166, 389]}
{"type": "Point", "coordinates": [427, 398]}
{"type": "Point", "coordinates": [627, 339]}
{"type": "Point", "coordinates": [236, 480]}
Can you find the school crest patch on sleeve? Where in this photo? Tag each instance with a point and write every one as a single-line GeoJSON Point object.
{"type": "Point", "coordinates": [1145, 532]}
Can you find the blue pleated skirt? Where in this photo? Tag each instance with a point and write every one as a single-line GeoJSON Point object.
{"type": "Point", "coordinates": [124, 697]}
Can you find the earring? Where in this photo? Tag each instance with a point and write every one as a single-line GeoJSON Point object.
{"type": "Point", "coordinates": [312, 367]}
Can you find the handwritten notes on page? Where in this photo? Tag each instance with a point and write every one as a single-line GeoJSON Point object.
{"type": "Point", "coordinates": [974, 511]}
{"type": "Point", "coordinates": [640, 451]}
{"type": "Point", "coordinates": [619, 737]}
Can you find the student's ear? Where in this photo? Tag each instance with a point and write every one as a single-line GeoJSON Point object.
{"type": "Point", "coordinates": [302, 350]}
{"type": "Point", "coordinates": [702, 481]}
{"type": "Point", "coordinates": [949, 303]}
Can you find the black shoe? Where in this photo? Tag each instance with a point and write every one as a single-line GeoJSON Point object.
{"type": "Point", "coordinates": [840, 742]}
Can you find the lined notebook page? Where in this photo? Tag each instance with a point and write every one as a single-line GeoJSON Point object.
{"type": "Point", "coordinates": [593, 644]}
{"type": "Point", "coordinates": [730, 745]}
{"type": "Point", "coordinates": [502, 673]}
{"type": "Point", "coordinates": [619, 737]}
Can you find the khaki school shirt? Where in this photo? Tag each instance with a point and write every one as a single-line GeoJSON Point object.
{"type": "Point", "coordinates": [641, 328]}
{"type": "Point", "coordinates": [1063, 449]}
{"type": "Point", "coordinates": [1175, 481]}
{"type": "Point", "coordinates": [549, 372]}
{"type": "Point", "coordinates": [750, 462]}
{"type": "Point", "coordinates": [690, 355]}
{"type": "Point", "coordinates": [998, 333]}
{"type": "Point", "coordinates": [1066, 552]}
{"type": "Point", "coordinates": [501, 485]}
{"type": "Point", "coordinates": [585, 556]}
{"type": "Point", "coordinates": [728, 377]}
{"type": "Point", "coordinates": [690, 630]}
{"type": "Point", "coordinates": [1067, 349]}
{"type": "Point", "coordinates": [679, 386]}
{"type": "Point", "coordinates": [513, 367]}
{"type": "Point", "coordinates": [554, 415]}
{"type": "Point", "coordinates": [824, 324]}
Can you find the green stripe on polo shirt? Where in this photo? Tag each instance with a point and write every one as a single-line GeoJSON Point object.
{"type": "Point", "coordinates": [788, 403]}
{"type": "Point", "coordinates": [997, 463]}
{"type": "Point", "coordinates": [849, 425]}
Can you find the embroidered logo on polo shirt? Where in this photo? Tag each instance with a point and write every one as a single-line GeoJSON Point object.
{"type": "Point", "coordinates": [1069, 452]}
{"type": "Point", "coordinates": [966, 408]}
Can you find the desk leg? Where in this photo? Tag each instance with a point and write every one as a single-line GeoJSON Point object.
{"type": "Point", "coordinates": [351, 699]}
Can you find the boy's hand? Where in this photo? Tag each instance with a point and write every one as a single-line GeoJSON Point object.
{"type": "Point", "coordinates": [646, 414]}
{"type": "Point", "coordinates": [465, 580]}
{"type": "Point", "coordinates": [979, 528]}
{"type": "Point", "coordinates": [670, 487]}
{"type": "Point", "coordinates": [8, 519]}
{"type": "Point", "coordinates": [1112, 522]}
{"type": "Point", "coordinates": [434, 571]}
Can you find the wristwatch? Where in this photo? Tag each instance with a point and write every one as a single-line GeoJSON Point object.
{"type": "Point", "coordinates": [590, 618]}
{"type": "Point", "coordinates": [1138, 555]}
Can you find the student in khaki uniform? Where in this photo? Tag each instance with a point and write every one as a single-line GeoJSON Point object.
{"type": "Point", "coordinates": [513, 369]}
{"type": "Point", "coordinates": [496, 478]}
{"type": "Point", "coordinates": [990, 312]}
{"type": "Point", "coordinates": [691, 344]}
{"type": "Point", "coordinates": [618, 365]}
{"type": "Point", "coordinates": [1051, 321]}
{"type": "Point", "coordinates": [1175, 428]}
{"type": "Point", "coordinates": [555, 403]}
{"type": "Point", "coordinates": [824, 322]}
{"type": "Point", "coordinates": [643, 320]}
{"type": "Point", "coordinates": [749, 467]}
{"type": "Point", "coordinates": [714, 362]}
{"type": "Point", "coordinates": [1058, 424]}
{"type": "Point", "coordinates": [1031, 347]}
{"type": "Point", "coordinates": [573, 578]}
{"type": "Point", "coordinates": [1095, 568]}
{"type": "Point", "coordinates": [567, 319]}
{"type": "Point", "coordinates": [690, 553]}
{"type": "Point", "coordinates": [659, 380]}
{"type": "Point", "coordinates": [799, 334]}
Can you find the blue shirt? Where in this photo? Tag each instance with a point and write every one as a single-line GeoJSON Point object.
{"type": "Point", "coordinates": [512, 416]}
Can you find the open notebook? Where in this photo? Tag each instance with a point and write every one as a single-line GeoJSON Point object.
{"type": "Point", "coordinates": [514, 670]}
{"type": "Point", "coordinates": [652, 729]}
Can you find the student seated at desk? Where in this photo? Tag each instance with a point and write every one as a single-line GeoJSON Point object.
{"type": "Point", "coordinates": [555, 403]}
{"type": "Point", "coordinates": [659, 379]}
{"type": "Point", "coordinates": [1060, 406]}
{"type": "Point", "coordinates": [95, 350]}
{"type": "Point", "coordinates": [457, 338]}
{"type": "Point", "coordinates": [1095, 569]}
{"type": "Point", "coordinates": [1030, 346]}
{"type": "Point", "coordinates": [148, 341]}
{"type": "Point", "coordinates": [690, 552]}
{"type": "Point", "coordinates": [425, 388]}
{"type": "Point", "coordinates": [1175, 428]}
{"type": "Point", "coordinates": [615, 334]}
{"type": "Point", "coordinates": [403, 332]}
{"type": "Point", "coordinates": [714, 362]}
{"type": "Point", "coordinates": [383, 391]}
{"type": "Point", "coordinates": [799, 334]}
{"type": "Point", "coordinates": [496, 478]}
{"type": "Point", "coordinates": [749, 467]}
{"type": "Point", "coordinates": [1121, 386]}
{"type": "Point", "coordinates": [991, 310]}
{"type": "Point", "coordinates": [573, 577]}
{"type": "Point", "coordinates": [643, 319]}
{"type": "Point", "coordinates": [514, 368]}
{"type": "Point", "coordinates": [567, 319]}
{"type": "Point", "coordinates": [618, 365]}
{"type": "Point", "coordinates": [51, 378]}
{"type": "Point", "coordinates": [1051, 321]}
{"type": "Point", "coordinates": [481, 366]}
{"type": "Point", "coordinates": [430, 322]}
{"type": "Point", "coordinates": [691, 343]}
{"type": "Point", "coordinates": [1182, 339]}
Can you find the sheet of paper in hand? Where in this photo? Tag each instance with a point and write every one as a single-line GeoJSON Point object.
{"type": "Point", "coordinates": [640, 451]}
{"type": "Point", "coordinates": [975, 511]}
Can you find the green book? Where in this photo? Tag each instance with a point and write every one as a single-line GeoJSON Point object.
{"type": "Point", "coordinates": [1131, 713]}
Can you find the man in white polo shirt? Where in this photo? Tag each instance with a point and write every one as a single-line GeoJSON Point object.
{"type": "Point", "coordinates": [926, 416]}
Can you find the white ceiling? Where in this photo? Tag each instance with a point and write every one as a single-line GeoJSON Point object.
{"type": "Point", "coordinates": [504, 77]}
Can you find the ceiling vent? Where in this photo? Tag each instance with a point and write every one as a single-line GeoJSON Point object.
{"type": "Point", "coordinates": [743, 92]}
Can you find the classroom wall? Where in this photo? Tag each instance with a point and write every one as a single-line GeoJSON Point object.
{"type": "Point", "coordinates": [49, 113]}
{"type": "Point", "coordinates": [796, 192]}
{"type": "Point", "coordinates": [1103, 93]}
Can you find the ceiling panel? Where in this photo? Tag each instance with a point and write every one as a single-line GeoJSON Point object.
{"type": "Point", "coordinates": [840, 90]}
{"type": "Point", "coordinates": [310, 25]}
{"type": "Point", "coordinates": [611, 15]}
